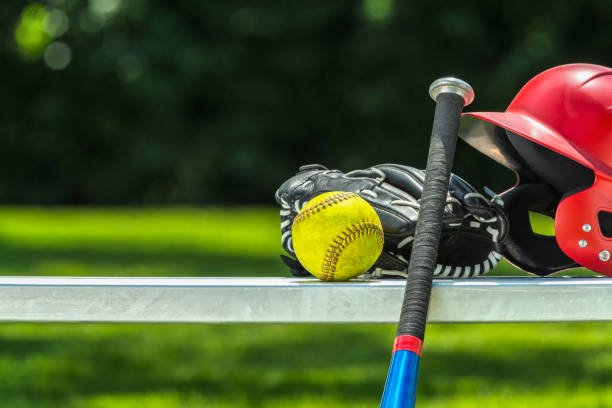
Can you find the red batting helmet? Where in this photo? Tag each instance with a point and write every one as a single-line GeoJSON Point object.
{"type": "Point", "coordinates": [556, 135]}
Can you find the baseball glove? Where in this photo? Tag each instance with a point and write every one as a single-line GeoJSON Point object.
{"type": "Point", "coordinates": [472, 232]}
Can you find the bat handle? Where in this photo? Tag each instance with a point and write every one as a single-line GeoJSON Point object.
{"type": "Point", "coordinates": [451, 95]}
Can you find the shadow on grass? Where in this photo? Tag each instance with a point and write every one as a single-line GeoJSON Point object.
{"type": "Point", "coordinates": [346, 363]}
{"type": "Point", "coordinates": [215, 361]}
{"type": "Point", "coordinates": [125, 261]}
{"type": "Point", "coordinates": [526, 369]}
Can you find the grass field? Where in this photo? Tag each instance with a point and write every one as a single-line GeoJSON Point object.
{"type": "Point", "coordinates": [172, 366]}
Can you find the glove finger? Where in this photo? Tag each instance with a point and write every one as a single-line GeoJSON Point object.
{"type": "Point", "coordinates": [405, 178]}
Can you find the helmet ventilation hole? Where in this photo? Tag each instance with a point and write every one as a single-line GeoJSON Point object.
{"type": "Point", "coordinates": [605, 223]}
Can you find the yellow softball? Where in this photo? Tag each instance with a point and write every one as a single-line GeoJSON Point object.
{"type": "Point", "coordinates": [337, 236]}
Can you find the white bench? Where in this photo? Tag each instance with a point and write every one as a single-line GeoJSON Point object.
{"type": "Point", "coordinates": [291, 300]}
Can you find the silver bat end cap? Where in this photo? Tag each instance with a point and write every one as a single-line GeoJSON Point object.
{"type": "Point", "coordinates": [452, 85]}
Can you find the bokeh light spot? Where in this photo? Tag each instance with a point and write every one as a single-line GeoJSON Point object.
{"type": "Point", "coordinates": [30, 31]}
{"type": "Point", "coordinates": [57, 56]}
{"type": "Point", "coordinates": [377, 10]}
{"type": "Point", "coordinates": [102, 10]}
{"type": "Point", "coordinates": [56, 23]}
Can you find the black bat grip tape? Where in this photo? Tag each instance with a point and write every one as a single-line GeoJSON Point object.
{"type": "Point", "coordinates": [413, 314]}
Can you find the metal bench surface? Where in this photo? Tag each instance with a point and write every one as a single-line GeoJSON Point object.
{"type": "Point", "coordinates": [292, 300]}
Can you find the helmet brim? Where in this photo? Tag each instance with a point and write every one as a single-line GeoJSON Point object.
{"type": "Point", "coordinates": [484, 132]}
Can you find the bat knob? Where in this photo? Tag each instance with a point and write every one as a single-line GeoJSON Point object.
{"type": "Point", "coordinates": [452, 85]}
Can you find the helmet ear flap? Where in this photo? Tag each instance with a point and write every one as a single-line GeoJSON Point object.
{"type": "Point", "coordinates": [532, 252]}
{"type": "Point", "coordinates": [583, 228]}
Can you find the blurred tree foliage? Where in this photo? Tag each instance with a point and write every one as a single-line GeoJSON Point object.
{"type": "Point", "coordinates": [153, 102]}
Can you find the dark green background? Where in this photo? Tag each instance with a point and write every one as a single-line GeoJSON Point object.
{"type": "Point", "coordinates": [229, 97]}
{"type": "Point", "coordinates": [217, 102]}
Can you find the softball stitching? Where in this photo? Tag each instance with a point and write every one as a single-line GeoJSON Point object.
{"type": "Point", "coordinates": [321, 205]}
{"type": "Point", "coordinates": [342, 240]}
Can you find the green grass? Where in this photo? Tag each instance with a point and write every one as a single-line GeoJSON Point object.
{"type": "Point", "coordinates": [172, 366]}
{"type": "Point", "coordinates": [139, 242]}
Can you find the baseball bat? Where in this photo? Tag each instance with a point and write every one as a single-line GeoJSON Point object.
{"type": "Point", "coordinates": [451, 95]}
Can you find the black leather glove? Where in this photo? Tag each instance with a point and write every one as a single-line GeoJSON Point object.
{"type": "Point", "coordinates": [473, 226]}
